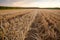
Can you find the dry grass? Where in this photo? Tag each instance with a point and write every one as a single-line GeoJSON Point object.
{"type": "Point", "coordinates": [30, 24]}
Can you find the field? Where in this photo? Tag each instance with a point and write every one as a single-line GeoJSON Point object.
{"type": "Point", "coordinates": [30, 24]}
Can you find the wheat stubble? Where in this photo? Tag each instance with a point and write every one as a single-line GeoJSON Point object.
{"type": "Point", "coordinates": [30, 24]}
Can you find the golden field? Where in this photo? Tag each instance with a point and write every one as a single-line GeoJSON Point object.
{"type": "Point", "coordinates": [30, 24]}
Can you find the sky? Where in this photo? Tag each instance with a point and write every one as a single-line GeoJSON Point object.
{"type": "Point", "coordinates": [30, 3]}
